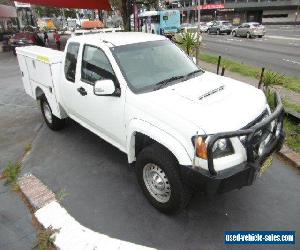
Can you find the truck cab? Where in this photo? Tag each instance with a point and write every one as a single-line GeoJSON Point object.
{"type": "Point", "coordinates": [182, 129]}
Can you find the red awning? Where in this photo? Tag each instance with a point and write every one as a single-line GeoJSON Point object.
{"type": "Point", "coordinates": [77, 4]}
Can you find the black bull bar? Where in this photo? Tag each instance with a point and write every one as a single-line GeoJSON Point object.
{"type": "Point", "coordinates": [274, 144]}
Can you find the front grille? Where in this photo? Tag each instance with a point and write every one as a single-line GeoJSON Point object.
{"type": "Point", "coordinates": [260, 136]}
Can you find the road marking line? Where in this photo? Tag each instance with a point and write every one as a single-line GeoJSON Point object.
{"type": "Point", "coordinates": [291, 61]}
{"type": "Point", "coordinates": [284, 37]}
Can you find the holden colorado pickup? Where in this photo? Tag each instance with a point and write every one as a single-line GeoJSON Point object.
{"type": "Point", "coordinates": [182, 128]}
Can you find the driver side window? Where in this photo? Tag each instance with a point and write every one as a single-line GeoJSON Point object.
{"type": "Point", "coordinates": [95, 65]}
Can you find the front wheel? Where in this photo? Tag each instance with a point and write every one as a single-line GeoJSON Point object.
{"type": "Point", "coordinates": [158, 176]}
{"type": "Point", "coordinates": [218, 32]}
{"type": "Point", "coordinates": [248, 35]}
{"type": "Point", "coordinates": [234, 33]}
{"type": "Point", "coordinates": [51, 120]}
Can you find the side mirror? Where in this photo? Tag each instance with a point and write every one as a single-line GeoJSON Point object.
{"type": "Point", "coordinates": [104, 87]}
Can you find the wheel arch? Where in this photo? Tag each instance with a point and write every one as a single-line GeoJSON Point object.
{"type": "Point", "coordinates": [56, 108]}
{"type": "Point", "coordinates": [141, 134]}
{"type": "Point", "coordinates": [39, 93]}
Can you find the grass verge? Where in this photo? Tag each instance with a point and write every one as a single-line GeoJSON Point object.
{"type": "Point", "coordinates": [45, 240]}
{"type": "Point", "coordinates": [291, 105]}
{"type": "Point", "coordinates": [292, 131]}
{"type": "Point", "coordinates": [291, 127]}
{"type": "Point", "coordinates": [291, 83]}
{"type": "Point", "coordinates": [11, 173]}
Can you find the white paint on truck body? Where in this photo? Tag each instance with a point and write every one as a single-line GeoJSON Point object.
{"type": "Point", "coordinates": [202, 105]}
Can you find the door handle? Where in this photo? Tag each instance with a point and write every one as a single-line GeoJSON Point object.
{"type": "Point", "coordinates": [82, 91]}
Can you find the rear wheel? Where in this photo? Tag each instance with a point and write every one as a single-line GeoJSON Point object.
{"type": "Point", "coordinates": [260, 36]}
{"type": "Point", "coordinates": [158, 176]}
{"type": "Point", "coordinates": [51, 120]}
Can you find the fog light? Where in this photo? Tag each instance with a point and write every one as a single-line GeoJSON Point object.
{"type": "Point", "coordinates": [261, 147]}
{"type": "Point", "coordinates": [278, 129]}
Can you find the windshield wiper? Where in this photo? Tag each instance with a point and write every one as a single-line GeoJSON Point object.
{"type": "Point", "coordinates": [165, 82]}
{"type": "Point", "coordinates": [193, 73]}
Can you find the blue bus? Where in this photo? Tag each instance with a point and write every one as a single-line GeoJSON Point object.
{"type": "Point", "coordinates": [163, 22]}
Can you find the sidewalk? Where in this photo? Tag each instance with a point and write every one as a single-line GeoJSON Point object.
{"type": "Point", "coordinates": [19, 121]}
{"type": "Point", "coordinates": [285, 93]}
{"type": "Point", "coordinates": [16, 229]}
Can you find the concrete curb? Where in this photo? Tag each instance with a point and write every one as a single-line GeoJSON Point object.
{"type": "Point", "coordinates": [292, 157]}
{"type": "Point", "coordinates": [69, 233]}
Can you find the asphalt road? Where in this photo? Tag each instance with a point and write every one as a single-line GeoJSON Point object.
{"type": "Point", "coordinates": [103, 193]}
{"type": "Point", "coordinates": [19, 123]}
{"type": "Point", "coordinates": [279, 50]}
{"type": "Point", "coordinates": [104, 196]}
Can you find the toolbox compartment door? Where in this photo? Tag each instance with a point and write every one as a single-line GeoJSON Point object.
{"type": "Point", "coordinates": [25, 75]}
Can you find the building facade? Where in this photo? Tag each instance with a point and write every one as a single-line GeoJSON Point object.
{"type": "Point", "coordinates": [239, 11]}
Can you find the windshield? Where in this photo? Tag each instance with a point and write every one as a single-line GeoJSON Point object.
{"type": "Point", "coordinates": [146, 66]}
{"type": "Point", "coordinates": [225, 23]}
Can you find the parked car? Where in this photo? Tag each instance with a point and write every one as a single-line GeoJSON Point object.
{"type": "Point", "coordinates": [249, 30]}
{"type": "Point", "coordinates": [25, 38]}
{"type": "Point", "coordinates": [209, 24]}
{"type": "Point", "coordinates": [203, 27]}
{"type": "Point", "coordinates": [220, 27]}
{"type": "Point", "coordinates": [188, 27]}
{"type": "Point", "coordinates": [181, 128]}
{"type": "Point", "coordinates": [193, 27]}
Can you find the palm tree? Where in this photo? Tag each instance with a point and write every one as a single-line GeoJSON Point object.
{"type": "Point", "coordinates": [188, 40]}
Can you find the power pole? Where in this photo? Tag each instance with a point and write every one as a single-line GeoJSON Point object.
{"type": "Point", "coordinates": [297, 13]}
{"type": "Point", "coordinates": [198, 32]}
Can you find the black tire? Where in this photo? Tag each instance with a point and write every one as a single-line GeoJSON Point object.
{"type": "Point", "coordinates": [55, 123]}
{"type": "Point", "coordinates": [260, 36]}
{"type": "Point", "coordinates": [208, 31]}
{"type": "Point", "coordinates": [179, 193]}
{"type": "Point", "coordinates": [248, 35]}
{"type": "Point", "coordinates": [218, 32]}
{"type": "Point", "coordinates": [234, 33]}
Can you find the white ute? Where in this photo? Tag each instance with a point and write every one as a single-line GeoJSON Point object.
{"type": "Point", "coordinates": [182, 128]}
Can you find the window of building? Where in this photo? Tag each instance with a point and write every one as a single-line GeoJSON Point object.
{"type": "Point", "coordinates": [275, 15]}
{"type": "Point", "coordinates": [71, 61]}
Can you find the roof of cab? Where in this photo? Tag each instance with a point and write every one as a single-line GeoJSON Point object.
{"type": "Point", "coordinates": [119, 38]}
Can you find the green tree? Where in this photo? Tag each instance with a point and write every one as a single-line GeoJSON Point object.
{"type": "Point", "coordinates": [126, 8]}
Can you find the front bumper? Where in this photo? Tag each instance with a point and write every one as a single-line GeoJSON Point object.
{"type": "Point", "coordinates": [258, 33]}
{"type": "Point", "coordinates": [245, 173]}
{"type": "Point", "coordinates": [225, 30]}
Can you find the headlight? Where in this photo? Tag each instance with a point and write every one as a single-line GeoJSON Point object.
{"type": "Point", "coordinates": [221, 148]}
